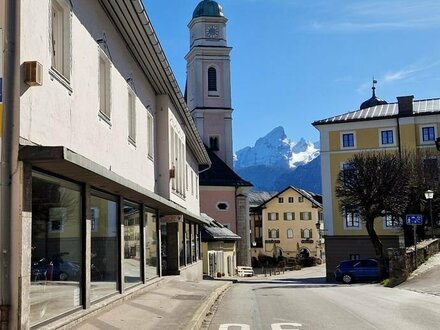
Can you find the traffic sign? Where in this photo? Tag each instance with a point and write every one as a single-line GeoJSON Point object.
{"type": "Point", "coordinates": [414, 219]}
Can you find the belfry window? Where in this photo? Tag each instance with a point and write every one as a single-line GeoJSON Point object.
{"type": "Point", "coordinates": [212, 80]}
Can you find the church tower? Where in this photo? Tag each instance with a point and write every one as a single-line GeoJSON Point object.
{"type": "Point", "coordinates": [208, 90]}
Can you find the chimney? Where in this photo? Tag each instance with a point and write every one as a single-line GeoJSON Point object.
{"type": "Point", "coordinates": [405, 104]}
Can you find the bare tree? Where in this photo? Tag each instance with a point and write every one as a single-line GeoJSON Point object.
{"type": "Point", "coordinates": [375, 184]}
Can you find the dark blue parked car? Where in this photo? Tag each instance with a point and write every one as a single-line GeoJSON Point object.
{"type": "Point", "coordinates": [358, 270]}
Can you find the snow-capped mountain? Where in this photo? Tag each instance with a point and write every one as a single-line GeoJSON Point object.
{"type": "Point", "coordinates": [275, 149]}
{"type": "Point", "coordinates": [275, 162]}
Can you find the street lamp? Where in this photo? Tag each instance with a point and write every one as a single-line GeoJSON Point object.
{"type": "Point", "coordinates": [429, 195]}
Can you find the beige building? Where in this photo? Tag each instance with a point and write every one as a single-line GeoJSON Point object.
{"type": "Point", "coordinates": [405, 125]}
{"type": "Point", "coordinates": [289, 225]}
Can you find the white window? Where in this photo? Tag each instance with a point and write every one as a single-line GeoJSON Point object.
{"type": "Point", "coordinates": [391, 222]}
{"type": "Point", "coordinates": [305, 215]}
{"type": "Point", "coordinates": [306, 233]}
{"type": "Point", "coordinates": [352, 218]}
{"type": "Point", "coordinates": [274, 233]}
{"type": "Point", "coordinates": [104, 86]}
{"type": "Point", "coordinates": [131, 116]}
{"type": "Point", "coordinates": [289, 215]}
{"type": "Point", "coordinates": [348, 140]}
{"type": "Point", "coordinates": [178, 162]}
{"type": "Point", "coordinates": [60, 38]}
{"type": "Point", "coordinates": [272, 216]}
{"type": "Point", "coordinates": [150, 136]}
{"type": "Point", "coordinates": [387, 137]}
{"type": "Point", "coordinates": [289, 233]}
{"type": "Point", "coordinates": [428, 134]}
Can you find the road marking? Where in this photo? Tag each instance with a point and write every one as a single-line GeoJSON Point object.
{"type": "Point", "coordinates": [274, 326]}
{"type": "Point", "coordinates": [281, 326]}
{"type": "Point", "coordinates": [227, 326]}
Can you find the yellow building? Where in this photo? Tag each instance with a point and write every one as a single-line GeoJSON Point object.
{"type": "Point", "coordinates": [405, 125]}
{"type": "Point", "coordinates": [289, 225]}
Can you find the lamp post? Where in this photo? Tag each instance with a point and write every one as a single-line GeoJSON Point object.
{"type": "Point", "coordinates": [429, 195]}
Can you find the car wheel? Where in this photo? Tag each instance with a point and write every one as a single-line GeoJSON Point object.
{"type": "Point", "coordinates": [347, 279]}
{"type": "Point", "coordinates": [63, 277]}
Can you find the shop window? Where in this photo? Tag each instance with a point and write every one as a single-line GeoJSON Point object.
{"type": "Point", "coordinates": [151, 269]}
{"type": "Point", "coordinates": [104, 245]}
{"type": "Point", "coordinates": [132, 244]}
{"type": "Point", "coordinates": [56, 247]}
{"type": "Point", "coordinates": [188, 242]}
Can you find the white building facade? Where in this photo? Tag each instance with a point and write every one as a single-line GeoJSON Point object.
{"type": "Point", "coordinates": [100, 184]}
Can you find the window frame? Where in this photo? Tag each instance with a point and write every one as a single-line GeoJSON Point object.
{"type": "Point", "coordinates": [342, 141]}
{"type": "Point", "coordinates": [292, 216]}
{"type": "Point", "coordinates": [393, 136]}
{"type": "Point", "coordinates": [131, 116]}
{"type": "Point", "coordinates": [104, 86]}
{"type": "Point", "coordinates": [309, 215]}
{"type": "Point", "coordinates": [212, 89]}
{"type": "Point", "coordinates": [422, 135]}
{"type": "Point", "coordinates": [269, 216]}
{"type": "Point", "coordinates": [61, 41]}
{"type": "Point", "coordinates": [150, 135]}
{"type": "Point", "coordinates": [351, 218]}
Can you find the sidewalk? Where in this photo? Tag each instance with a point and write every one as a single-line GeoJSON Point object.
{"type": "Point", "coordinates": [173, 304]}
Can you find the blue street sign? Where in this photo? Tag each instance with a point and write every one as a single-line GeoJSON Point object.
{"type": "Point", "coordinates": [414, 219]}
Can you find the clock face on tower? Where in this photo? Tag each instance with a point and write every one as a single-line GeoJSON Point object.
{"type": "Point", "coordinates": [212, 31]}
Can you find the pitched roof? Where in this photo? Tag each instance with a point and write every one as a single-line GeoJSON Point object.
{"type": "Point", "coordinates": [391, 110]}
{"type": "Point", "coordinates": [214, 231]}
{"type": "Point", "coordinates": [220, 174]}
{"type": "Point", "coordinates": [312, 197]}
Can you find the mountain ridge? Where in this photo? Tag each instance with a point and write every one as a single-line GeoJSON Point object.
{"type": "Point", "coordinates": [275, 162]}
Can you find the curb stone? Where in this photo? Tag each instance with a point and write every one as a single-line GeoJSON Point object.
{"type": "Point", "coordinates": [196, 322]}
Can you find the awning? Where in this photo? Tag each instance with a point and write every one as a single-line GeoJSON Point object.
{"type": "Point", "coordinates": [66, 163]}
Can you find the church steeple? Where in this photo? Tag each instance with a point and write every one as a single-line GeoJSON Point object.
{"type": "Point", "coordinates": [208, 89]}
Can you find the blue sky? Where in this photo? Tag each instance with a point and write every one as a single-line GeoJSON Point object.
{"type": "Point", "coordinates": [297, 61]}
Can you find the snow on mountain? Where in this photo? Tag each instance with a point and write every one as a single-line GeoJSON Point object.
{"type": "Point", "coordinates": [276, 150]}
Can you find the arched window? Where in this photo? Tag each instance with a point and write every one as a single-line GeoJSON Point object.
{"type": "Point", "coordinates": [274, 233]}
{"type": "Point", "coordinates": [212, 80]}
{"type": "Point", "coordinates": [213, 143]}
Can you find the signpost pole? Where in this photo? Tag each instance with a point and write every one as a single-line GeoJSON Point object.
{"type": "Point", "coordinates": [415, 246]}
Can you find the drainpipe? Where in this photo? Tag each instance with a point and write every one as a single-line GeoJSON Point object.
{"type": "Point", "coordinates": [9, 150]}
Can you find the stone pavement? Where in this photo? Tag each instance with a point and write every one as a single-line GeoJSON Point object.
{"type": "Point", "coordinates": [172, 304]}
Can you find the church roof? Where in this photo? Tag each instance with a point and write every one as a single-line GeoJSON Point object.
{"type": "Point", "coordinates": [208, 8]}
{"type": "Point", "coordinates": [220, 174]}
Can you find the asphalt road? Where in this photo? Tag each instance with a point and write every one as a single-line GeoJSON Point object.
{"type": "Point", "coordinates": [303, 300]}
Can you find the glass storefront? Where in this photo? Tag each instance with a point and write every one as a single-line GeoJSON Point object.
{"type": "Point", "coordinates": [182, 257]}
{"type": "Point", "coordinates": [188, 242]}
{"type": "Point", "coordinates": [150, 244]}
{"type": "Point", "coordinates": [104, 245]}
{"type": "Point", "coordinates": [56, 266]}
{"type": "Point", "coordinates": [132, 244]}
